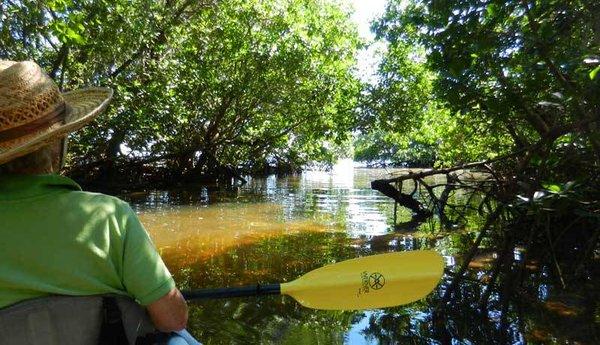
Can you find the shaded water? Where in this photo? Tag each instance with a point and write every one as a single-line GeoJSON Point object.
{"type": "Point", "coordinates": [275, 229]}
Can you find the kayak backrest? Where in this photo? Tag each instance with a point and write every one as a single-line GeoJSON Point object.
{"type": "Point", "coordinates": [68, 320]}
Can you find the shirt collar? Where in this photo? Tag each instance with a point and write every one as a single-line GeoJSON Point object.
{"type": "Point", "coordinates": [14, 187]}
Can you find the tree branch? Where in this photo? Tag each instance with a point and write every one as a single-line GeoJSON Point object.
{"type": "Point", "coordinates": [59, 61]}
{"type": "Point", "coordinates": [158, 39]}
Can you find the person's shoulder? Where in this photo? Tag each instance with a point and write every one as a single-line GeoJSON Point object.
{"type": "Point", "coordinates": [98, 202]}
{"type": "Point", "coordinates": [98, 198]}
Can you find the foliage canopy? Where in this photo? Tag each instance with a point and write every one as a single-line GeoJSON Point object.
{"type": "Point", "coordinates": [511, 74]}
{"type": "Point", "coordinates": [200, 86]}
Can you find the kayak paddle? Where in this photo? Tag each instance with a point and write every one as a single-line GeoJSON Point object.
{"type": "Point", "coordinates": [376, 281]}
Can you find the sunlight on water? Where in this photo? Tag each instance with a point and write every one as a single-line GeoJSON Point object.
{"type": "Point", "coordinates": [272, 229]}
{"type": "Point", "coordinates": [277, 228]}
{"type": "Point", "coordinates": [341, 176]}
{"type": "Point", "coordinates": [315, 201]}
{"type": "Point", "coordinates": [343, 193]}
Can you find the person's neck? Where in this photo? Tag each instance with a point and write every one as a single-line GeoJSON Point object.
{"type": "Point", "coordinates": [35, 170]}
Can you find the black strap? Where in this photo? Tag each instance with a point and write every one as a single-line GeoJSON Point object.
{"type": "Point", "coordinates": [112, 331]}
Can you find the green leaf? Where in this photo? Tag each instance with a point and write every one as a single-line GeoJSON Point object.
{"type": "Point", "coordinates": [594, 72]}
{"type": "Point", "coordinates": [552, 187]}
{"type": "Point", "coordinates": [491, 9]}
{"type": "Point", "coordinates": [74, 36]}
{"type": "Point", "coordinates": [57, 5]}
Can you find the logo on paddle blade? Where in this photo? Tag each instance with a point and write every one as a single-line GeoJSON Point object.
{"type": "Point", "coordinates": [373, 281]}
{"type": "Point", "coordinates": [376, 281]}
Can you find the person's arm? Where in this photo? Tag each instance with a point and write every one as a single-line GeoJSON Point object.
{"type": "Point", "coordinates": [147, 279]}
{"type": "Point", "coordinates": [169, 313]}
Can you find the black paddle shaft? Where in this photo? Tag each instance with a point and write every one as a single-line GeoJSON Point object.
{"type": "Point", "coordinates": [242, 291]}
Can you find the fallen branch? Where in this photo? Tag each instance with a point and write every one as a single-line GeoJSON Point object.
{"type": "Point", "coordinates": [421, 174]}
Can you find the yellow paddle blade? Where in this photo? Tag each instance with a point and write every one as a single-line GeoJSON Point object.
{"type": "Point", "coordinates": [376, 281]}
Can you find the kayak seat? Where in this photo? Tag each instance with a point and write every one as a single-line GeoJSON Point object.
{"type": "Point", "coordinates": [69, 320]}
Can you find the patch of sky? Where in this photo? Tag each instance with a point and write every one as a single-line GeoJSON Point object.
{"type": "Point", "coordinates": [355, 335]}
{"type": "Point", "coordinates": [365, 11]}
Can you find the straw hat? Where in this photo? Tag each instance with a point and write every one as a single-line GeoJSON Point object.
{"type": "Point", "coordinates": [33, 112]}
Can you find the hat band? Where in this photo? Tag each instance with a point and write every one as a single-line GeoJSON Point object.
{"type": "Point", "coordinates": [54, 116]}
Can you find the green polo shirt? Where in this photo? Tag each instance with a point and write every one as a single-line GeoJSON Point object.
{"type": "Point", "coordinates": [57, 239]}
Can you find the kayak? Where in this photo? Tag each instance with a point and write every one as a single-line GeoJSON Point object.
{"type": "Point", "coordinates": [81, 320]}
{"type": "Point", "coordinates": [187, 337]}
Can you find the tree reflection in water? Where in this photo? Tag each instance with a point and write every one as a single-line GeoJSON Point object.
{"type": "Point", "coordinates": [277, 229]}
{"type": "Point", "coordinates": [535, 315]}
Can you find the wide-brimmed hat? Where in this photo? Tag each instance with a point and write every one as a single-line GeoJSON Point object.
{"type": "Point", "coordinates": [33, 111]}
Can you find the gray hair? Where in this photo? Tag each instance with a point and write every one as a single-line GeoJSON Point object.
{"type": "Point", "coordinates": [42, 161]}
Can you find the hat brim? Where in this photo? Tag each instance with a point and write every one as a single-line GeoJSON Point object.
{"type": "Point", "coordinates": [83, 105]}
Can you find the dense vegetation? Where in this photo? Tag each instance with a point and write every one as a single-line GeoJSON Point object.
{"type": "Point", "coordinates": [213, 89]}
{"type": "Point", "coordinates": [473, 80]}
{"type": "Point", "coordinates": [508, 88]}
{"type": "Point", "coordinates": [513, 88]}
{"type": "Point", "coordinates": [201, 88]}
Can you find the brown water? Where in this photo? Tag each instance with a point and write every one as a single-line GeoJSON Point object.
{"type": "Point", "coordinates": [275, 229]}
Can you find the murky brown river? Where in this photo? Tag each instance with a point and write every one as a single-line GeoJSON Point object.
{"type": "Point", "coordinates": [275, 229]}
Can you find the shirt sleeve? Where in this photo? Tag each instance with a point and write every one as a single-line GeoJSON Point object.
{"type": "Point", "coordinates": [144, 274]}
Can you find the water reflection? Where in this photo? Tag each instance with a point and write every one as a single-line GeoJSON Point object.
{"type": "Point", "coordinates": [189, 232]}
{"type": "Point", "coordinates": [278, 228]}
